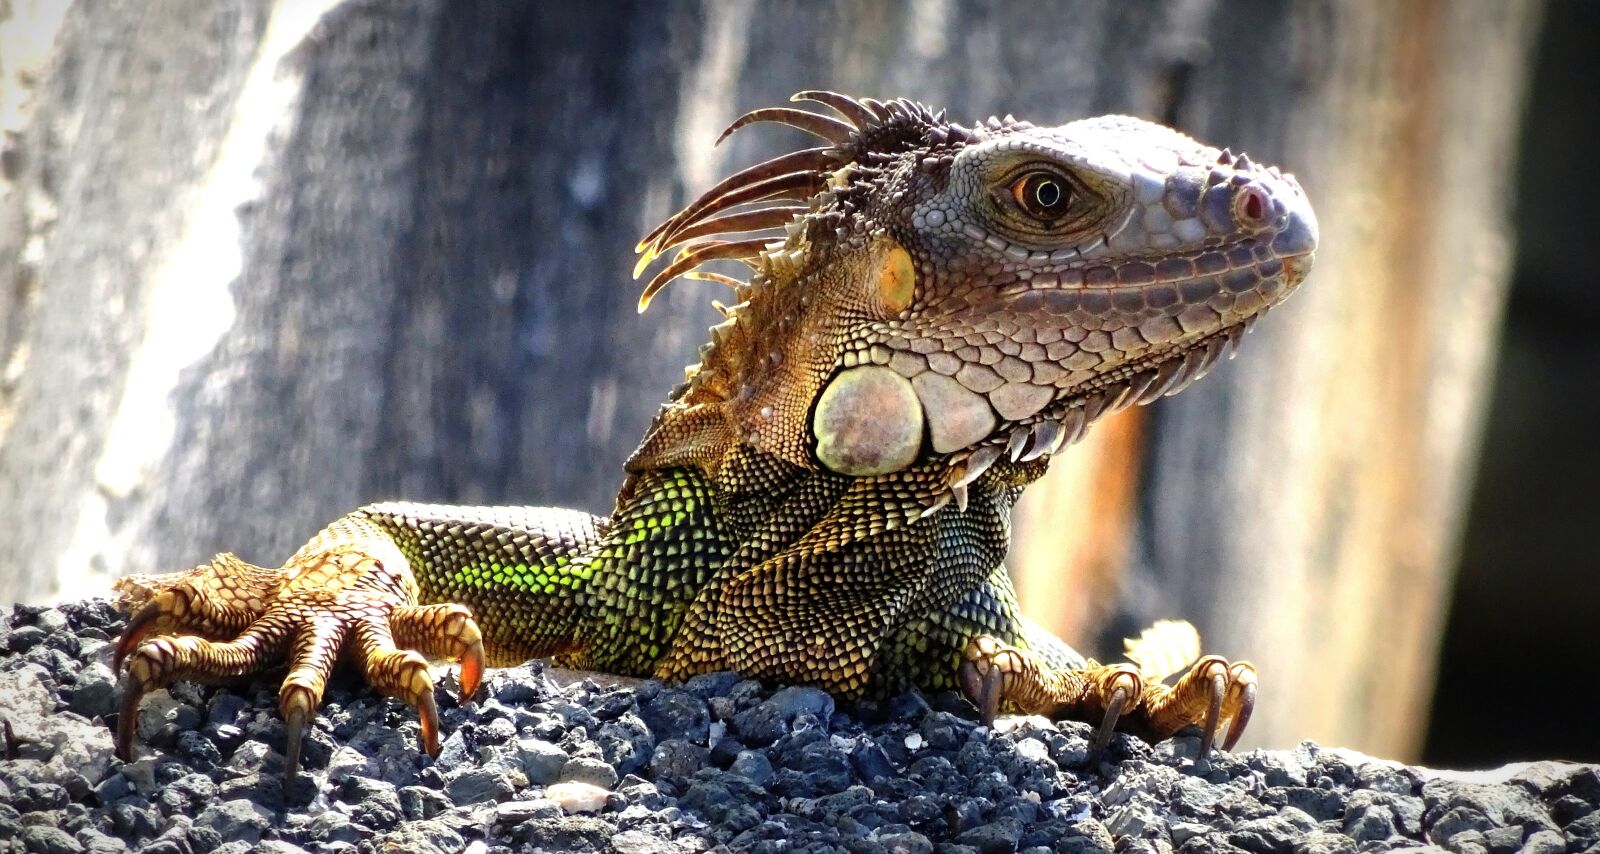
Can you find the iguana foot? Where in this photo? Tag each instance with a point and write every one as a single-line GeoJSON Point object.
{"type": "Point", "coordinates": [228, 619]}
{"type": "Point", "coordinates": [1211, 694]}
{"type": "Point", "coordinates": [993, 673]}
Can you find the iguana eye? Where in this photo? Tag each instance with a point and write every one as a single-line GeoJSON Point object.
{"type": "Point", "coordinates": [1045, 196]}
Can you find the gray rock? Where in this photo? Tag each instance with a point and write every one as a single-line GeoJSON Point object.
{"type": "Point", "coordinates": [1320, 804]}
{"type": "Point", "coordinates": [1544, 842]}
{"type": "Point", "coordinates": [131, 820]}
{"type": "Point", "coordinates": [569, 833]}
{"type": "Point", "coordinates": [638, 842]}
{"type": "Point", "coordinates": [677, 759]}
{"type": "Point", "coordinates": [517, 687]}
{"type": "Point", "coordinates": [794, 701]}
{"type": "Point", "coordinates": [374, 803]}
{"type": "Point", "coordinates": [236, 819]}
{"type": "Point", "coordinates": [422, 837]}
{"type": "Point", "coordinates": [421, 802]}
{"type": "Point", "coordinates": [454, 752]}
{"type": "Point", "coordinates": [1373, 823]}
{"type": "Point", "coordinates": [334, 827]}
{"type": "Point", "coordinates": [1587, 828]}
{"type": "Point", "coordinates": [997, 837]}
{"type": "Point", "coordinates": [760, 725]}
{"type": "Point", "coordinates": [52, 621]}
{"type": "Point", "coordinates": [1501, 804]}
{"type": "Point", "coordinates": [872, 763]}
{"type": "Point", "coordinates": [752, 766]}
{"type": "Point", "coordinates": [1503, 840]}
{"type": "Point", "coordinates": [1455, 821]}
{"type": "Point", "coordinates": [1468, 842]}
{"type": "Point", "coordinates": [348, 762]}
{"type": "Point", "coordinates": [1084, 845]}
{"type": "Point", "coordinates": [1136, 819]}
{"type": "Point", "coordinates": [1183, 831]}
{"type": "Point", "coordinates": [637, 793]}
{"type": "Point", "coordinates": [95, 842]}
{"type": "Point", "coordinates": [674, 713]}
{"type": "Point", "coordinates": [478, 785]}
{"type": "Point", "coordinates": [497, 731]}
{"type": "Point", "coordinates": [595, 772]}
{"type": "Point", "coordinates": [517, 812]}
{"type": "Point", "coordinates": [1552, 780]}
{"type": "Point", "coordinates": [94, 692]}
{"type": "Point", "coordinates": [906, 842]}
{"type": "Point", "coordinates": [1384, 778]}
{"type": "Point", "coordinates": [188, 795]}
{"type": "Point", "coordinates": [25, 638]}
{"type": "Point", "coordinates": [1569, 808]}
{"type": "Point", "coordinates": [540, 760]}
{"type": "Point", "coordinates": [626, 743]}
{"type": "Point", "coordinates": [198, 750]}
{"type": "Point", "coordinates": [1265, 835]}
{"type": "Point", "coordinates": [1325, 843]}
{"type": "Point", "coordinates": [708, 685]}
{"type": "Point", "coordinates": [44, 839]}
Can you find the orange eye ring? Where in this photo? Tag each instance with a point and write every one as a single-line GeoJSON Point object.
{"type": "Point", "coordinates": [1045, 196]}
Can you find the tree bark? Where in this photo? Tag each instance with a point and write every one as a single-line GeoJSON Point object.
{"type": "Point", "coordinates": [262, 262]}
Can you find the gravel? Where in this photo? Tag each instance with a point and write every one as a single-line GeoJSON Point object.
{"type": "Point", "coordinates": [718, 762]}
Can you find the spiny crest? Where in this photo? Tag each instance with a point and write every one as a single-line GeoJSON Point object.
{"type": "Point", "coordinates": [756, 202]}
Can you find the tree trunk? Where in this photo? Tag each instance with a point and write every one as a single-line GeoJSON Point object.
{"type": "Point", "coordinates": [262, 262]}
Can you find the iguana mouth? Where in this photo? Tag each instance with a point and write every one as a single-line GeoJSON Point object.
{"type": "Point", "coordinates": [1066, 420]}
{"type": "Point", "coordinates": [1144, 379]}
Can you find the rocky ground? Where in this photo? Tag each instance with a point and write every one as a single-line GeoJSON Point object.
{"type": "Point", "coordinates": [718, 762]}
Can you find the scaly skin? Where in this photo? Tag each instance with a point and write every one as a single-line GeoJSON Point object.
{"type": "Point", "coordinates": [827, 499]}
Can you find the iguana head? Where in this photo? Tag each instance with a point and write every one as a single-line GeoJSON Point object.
{"type": "Point", "coordinates": [943, 296]}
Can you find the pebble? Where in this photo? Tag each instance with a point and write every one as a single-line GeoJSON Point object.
{"type": "Point", "coordinates": [236, 820]}
{"type": "Point", "coordinates": [595, 772]}
{"type": "Point", "coordinates": [578, 797]}
{"type": "Point", "coordinates": [541, 761]}
{"type": "Point", "coordinates": [478, 785]}
{"type": "Point", "coordinates": [717, 762]}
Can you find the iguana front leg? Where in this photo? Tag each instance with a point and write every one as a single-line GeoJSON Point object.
{"type": "Point", "coordinates": [371, 585]}
{"type": "Point", "coordinates": [1212, 694]}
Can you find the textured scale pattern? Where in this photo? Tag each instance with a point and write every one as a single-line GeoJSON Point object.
{"type": "Point", "coordinates": [932, 312]}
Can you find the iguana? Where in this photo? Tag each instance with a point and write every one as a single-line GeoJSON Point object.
{"type": "Point", "coordinates": [933, 311]}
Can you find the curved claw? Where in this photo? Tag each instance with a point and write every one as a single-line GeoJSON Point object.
{"type": "Point", "coordinates": [294, 730]}
{"type": "Point", "coordinates": [1114, 710]}
{"type": "Point", "coordinates": [989, 709]}
{"type": "Point", "coordinates": [139, 627]}
{"type": "Point", "coordinates": [1247, 704]}
{"type": "Point", "coordinates": [1219, 687]}
{"type": "Point", "coordinates": [296, 704]}
{"type": "Point", "coordinates": [129, 692]}
{"type": "Point", "coordinates": [983, 689]}
{"type": "Point", "coordinates": [471, 670]}
{"type": "Point", "coordinates": [971, 682]}
{"type": "Point", "coordinates": [428, 715]}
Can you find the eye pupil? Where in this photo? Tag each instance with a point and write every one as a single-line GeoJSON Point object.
{"type": "Point", "coordinates": [1047, 193]}
{"type": "Point", "coordinates": [1043, 195]}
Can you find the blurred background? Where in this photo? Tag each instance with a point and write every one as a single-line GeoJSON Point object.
{"type": "Point", "coordinates": [262, 262]}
